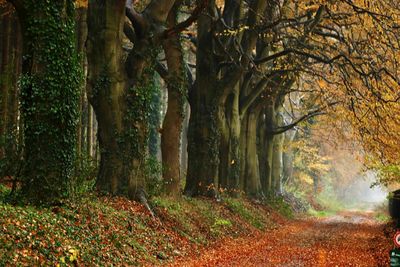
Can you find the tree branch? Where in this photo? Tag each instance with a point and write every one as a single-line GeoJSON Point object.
{"type": "Point", "coordinates": [158, 10]}
{"type": "Point", "coordinates": [189, 21]}
{"type": "Point", "coordinates": [280, 130]}
{"type": "Point", "coordinates": [248, 100]}
{"type": "Point", "coordinates": [162, 71]}
{"type": "Point", "coordinates": [311, 114]}
{"type": "Point", "coordinates": [129, 32]}
{"type": "Point", "coordinates": [137, 20]}
{"type": "Point", "coordinates": [316, 20]}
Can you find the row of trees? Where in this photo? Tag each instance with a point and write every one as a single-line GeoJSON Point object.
{"type": "Point", "coordinates": [250, 71]}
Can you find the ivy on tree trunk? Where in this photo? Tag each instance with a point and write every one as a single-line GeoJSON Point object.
{"type": "Point", "coordinates": [49, 98]}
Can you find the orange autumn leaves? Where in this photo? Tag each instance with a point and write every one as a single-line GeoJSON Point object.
{"type": "Point", "coordinates": [366, 85]}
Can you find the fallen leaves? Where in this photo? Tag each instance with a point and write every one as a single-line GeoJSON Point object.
{"type": "Point", "coordinates": [326, 242]}
{"type": "Point", "coordinates": [116, 231]}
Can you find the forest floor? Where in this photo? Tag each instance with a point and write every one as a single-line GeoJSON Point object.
{"type": "Point", "coordinates": [114, 231]}
{"type": "Point", "coordinates": [346, 239]}
{"type": "Point", "coordinates": [103, 231]}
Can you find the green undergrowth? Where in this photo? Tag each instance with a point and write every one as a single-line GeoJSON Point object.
{"type": "Point", "coordinates": [382, 217]}
{"type": "Point", "coordinates": [321, 213]}
{"type": "Point", "coordinates": [320, 205]}
{"type": "Point", "coordinates": [381, 212]}
{"type": "Point", "coordinates": [104, 231]}
{"type": "Point", "coordinates": [282, 207]}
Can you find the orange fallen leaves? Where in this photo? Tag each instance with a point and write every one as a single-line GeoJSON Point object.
{"type": "Point", "coordinates": [304, 243]}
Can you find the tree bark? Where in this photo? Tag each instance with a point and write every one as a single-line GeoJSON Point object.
{"type": "Point", "coordinates": [203, 135]}
{"type": "Point", "coordinates": [11, 148]}
{"type": "Point", "coordinates": [5, 78]}
{"type": "Point", "coordinates": [250, 164]}
{"type": "Point", "coordinates": [288, 156]}
{"type": "Point", "coordinates": [81, 32]}
{"type": "Point", "coordinates": [277, 161]}
{"type": "Point", "coordinates": [89, 133]}
{"type": "Point", "coordinates": [230, 124]}
{"type": "Point", "coordinates": [173, 122]}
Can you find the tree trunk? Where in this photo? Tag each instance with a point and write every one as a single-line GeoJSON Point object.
{"type": "Point", "coordinates": [203, 135]}
{"type": "Point", "coordinates": [230, 145]}
{"type": "Point", "coordinates": [266, 151]}
{"type": "Point", "coordinates": [89, 133]}
{"type": "Point", "coordinates": [10, 70]}
{"type": "Point", "coordinates": [288, 156]}
{"type": "Point", "coordinates": [184, 146]}
{"type": "Point", "coordinates": [107, 92]}
{"type": "Point", "coordinates": [203, 148]}
{"type": "Point", "coordinates": [277, 161]}
{"type": "Point", "coordinates": [49, 101]}
{"type": "Point", "coordinates": [173, 122]}
{"type": "Point", "coordinates": [81, 31]}
{"type": "Point", "coordinates": [5, 78]}
{"type": "Point", "coordinates": [11, 147]}
{"type": "Point", "coordinates": [250, 165]}
{"type": "Point", "coordinates": [121, 94]}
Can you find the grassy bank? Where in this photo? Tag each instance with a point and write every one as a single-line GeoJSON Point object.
{"type": "Point", "coordinates": [102, 231]}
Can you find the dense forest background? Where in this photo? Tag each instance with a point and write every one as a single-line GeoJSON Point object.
{"type": "Point", "coordinates": [201, 98]}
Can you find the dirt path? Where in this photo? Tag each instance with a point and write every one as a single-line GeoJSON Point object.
{"type": "Point", "coordinates": [347, 239]}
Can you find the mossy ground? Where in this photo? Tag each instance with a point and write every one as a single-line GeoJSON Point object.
{"type": "Point", "coordinates": [104, 231]}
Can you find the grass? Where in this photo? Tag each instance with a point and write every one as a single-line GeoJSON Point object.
{"type": "Point", "coordinates": [321, 213]}
{"type": "Point", "coordinates": [246, 212]}
{"type": "Point", "coordinates": [382, 217]}
{"type": "Point", "coordinates": [281, 206]}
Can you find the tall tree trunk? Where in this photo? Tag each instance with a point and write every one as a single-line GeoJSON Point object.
{"type": "Point", "coordinates": [50, 95]}
{"type": "Point", "coordinates": [266, 151]}
{"type": "Point", "coordinates": [203, 135]}
{"type": "Point", "coordinates": [5, 78]}
{"type": "Point", "coordinates": [11, 147]}
{"type": "Point", "coordinates": [10, 70]}
{"type": "Point", "coordinates": [229, 168]}
{"type": "Point", "coordinates": [106, 92]}
{"type": "Point", "coordinates": [172, 126]}
{"type": "Point", "coordinates": [81, 31]}
{"type": "Point", "coordinates": [250, 165]}
{"type": "Point", "coordinates": [288, 156]}
{"type": "Point", "coordinates": [90, 133]}
{"type": "Point", "coordinates": [184, 143]}
{"type": "Point", "coordinates": [277, 161]}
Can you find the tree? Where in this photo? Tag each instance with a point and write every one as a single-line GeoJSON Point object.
{"type": "Point", "coordinates": [120, 88]}
{"type": "Point", "coordinates": [49, 97]}
{"type": "Point", "coordinates": [177, 84]}
{"type": "Point", "coordinates": [10, 70]}
{"type": "Point", "coordinates": [214, 126]}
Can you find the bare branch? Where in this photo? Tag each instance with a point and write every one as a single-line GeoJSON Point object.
{"type": "Point", "coordinates": [189, 21]}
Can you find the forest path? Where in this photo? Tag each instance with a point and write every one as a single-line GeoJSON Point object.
{"type": "Point", "coordinates": [347, 239]}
